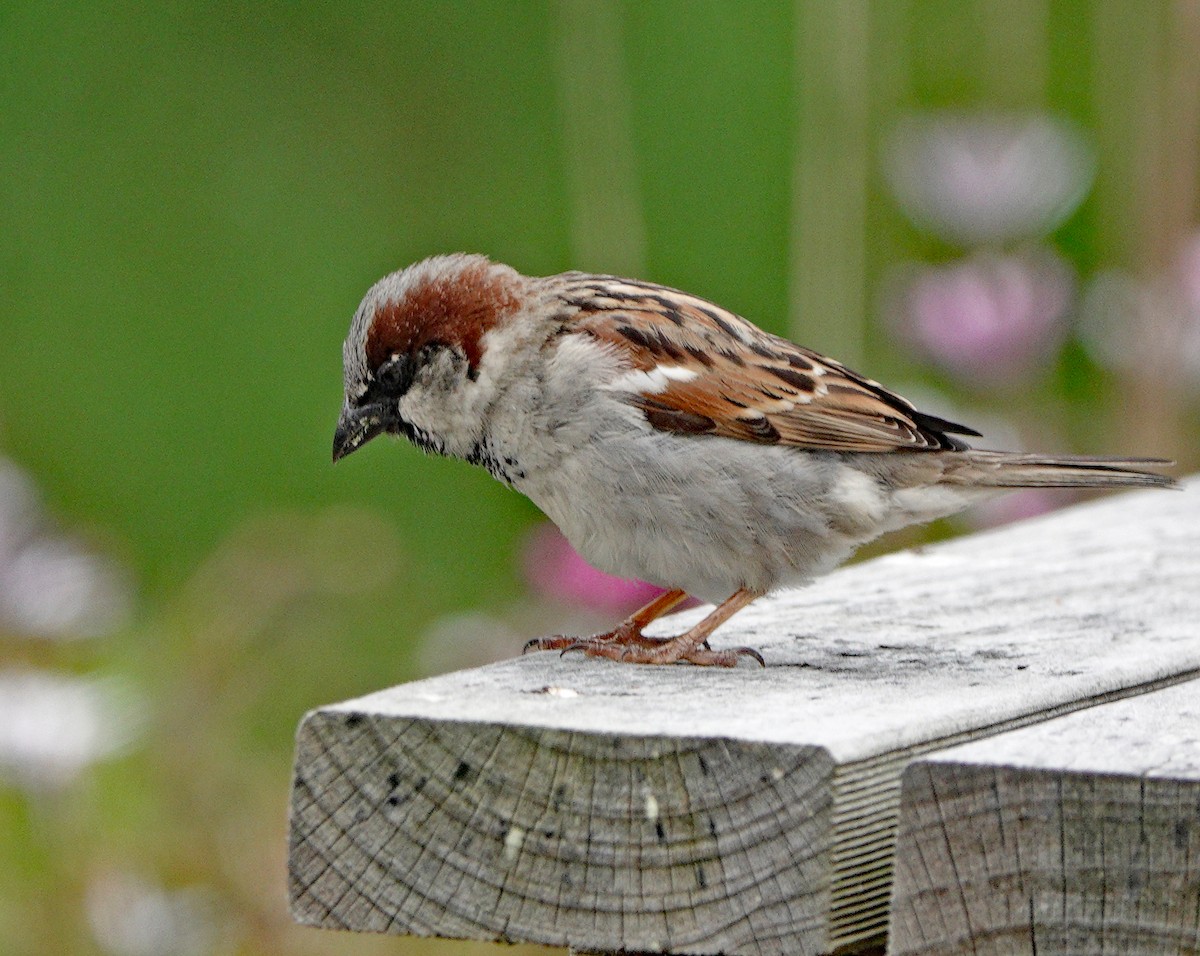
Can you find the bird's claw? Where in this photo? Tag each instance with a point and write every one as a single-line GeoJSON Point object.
{"type": "Point", "coordinates": [746, 652]}
{"type": "Point", "coordinates": [558, 642]}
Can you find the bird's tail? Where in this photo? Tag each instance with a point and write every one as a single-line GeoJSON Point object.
{"type": "Point", "coordinates": [1001, 469]}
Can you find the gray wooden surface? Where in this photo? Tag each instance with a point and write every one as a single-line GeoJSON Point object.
{"type": "Point", "coordinates": [576, 801]}
{"type": "Point", "coordinates": [1080, 835]}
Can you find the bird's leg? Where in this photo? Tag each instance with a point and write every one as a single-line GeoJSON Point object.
{"type": "Point", "coordinates": [691, 646]}
{"type": "Point", "coordinates": [628, 632]}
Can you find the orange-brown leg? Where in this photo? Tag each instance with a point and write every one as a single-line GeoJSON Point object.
{"type": "Point", "coordinates": [628, 632]}
{"type": "Point", "coordinates": [691, 646]}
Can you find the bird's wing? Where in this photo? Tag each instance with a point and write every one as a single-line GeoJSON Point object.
{"type": "Point", "coordinates": [698, 369]}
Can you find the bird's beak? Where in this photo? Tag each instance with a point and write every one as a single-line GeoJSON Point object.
{"type": "Point", "coordinates": [357, 426]}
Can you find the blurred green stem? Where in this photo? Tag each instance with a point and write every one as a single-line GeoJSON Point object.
{"type": "Point", "coordinates": [827, 272]}
{"type": "Point", "coordinates": [607, 227]}
{"type": "Point", "coordinates": [1016, 52]}
{"type": "Point", "coordinates": [1148, 88]}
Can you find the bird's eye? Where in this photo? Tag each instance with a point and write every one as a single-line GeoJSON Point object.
{"type": "Point", "coordinates": [395, 375]}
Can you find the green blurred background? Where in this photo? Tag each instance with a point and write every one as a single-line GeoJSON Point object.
{"type": "Point", "coordinates": [195, 196]}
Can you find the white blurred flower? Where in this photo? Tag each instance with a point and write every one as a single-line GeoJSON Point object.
{"type": "Point", "coordinates": [19, 507]}
{"type": "Point", "coordinates": [975, 178]}
{"type": "Point", "coordinates": [1110, 310]}
{"type": "Point", "coordinates": [132, 917]}
{"type": "Point", "coordinates": [466, 640]}
{"type": "Point", "coordinates": [992, 318]}
{"type": "Point", "coordinates": [50, 585]}
{"type": "Point", "coordinates": [1128, 324]}
{"type": "Point", "coordinates": [53, 726]}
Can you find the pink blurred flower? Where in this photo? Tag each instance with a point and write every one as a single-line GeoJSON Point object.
{"type": "Point", "coordinates": [556, 571]}
{"type": "Point", "coordinates": [989, 317]}
{"type": "Point", "coordinates": [1018, 506]}
{"type": "Point", "coordinates": [1187, 271]}
{"type": "Point", "coordinates": [974, 178]}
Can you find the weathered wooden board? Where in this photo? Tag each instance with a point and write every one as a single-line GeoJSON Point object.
{"type": "Point", "coordinates": [577, 801]}
{"type": "Point", "coordinates": [1079, 835]}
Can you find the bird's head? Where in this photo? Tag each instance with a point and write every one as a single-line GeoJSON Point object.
{"type": "Point", "coordinates": [415, 360]}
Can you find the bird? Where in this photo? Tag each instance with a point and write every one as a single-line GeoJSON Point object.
{"type": "Point", "coordinates": [669, 438]}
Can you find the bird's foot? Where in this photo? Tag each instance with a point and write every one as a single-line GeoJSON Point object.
{"type": "Point", "coordinates": [628, 644]}
{"type": "Point", "coordinates": [669, 651]}
{"type": "Point", "coordinates": [623, 635]}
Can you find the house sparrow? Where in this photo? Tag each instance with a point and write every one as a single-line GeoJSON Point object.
{"type": "Point", "coordinates": [668, 438]}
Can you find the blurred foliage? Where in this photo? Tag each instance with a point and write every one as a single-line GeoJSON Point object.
{"type": "Point", "coordinates": [194, 198]}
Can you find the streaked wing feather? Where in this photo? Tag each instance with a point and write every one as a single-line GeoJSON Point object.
{"type": "Point", "coordinates": [747, 384]}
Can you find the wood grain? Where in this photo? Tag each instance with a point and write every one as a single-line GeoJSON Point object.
{"type": "Point", "coordinates": [474, 830]}
{"type": "Point", "coordinates": [1080, 835]}
{"type": "Point", "coordinates": [525, 800]}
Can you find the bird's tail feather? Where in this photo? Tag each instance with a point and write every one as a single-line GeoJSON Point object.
{"type": "Point", "coordinates": [1000, 469]}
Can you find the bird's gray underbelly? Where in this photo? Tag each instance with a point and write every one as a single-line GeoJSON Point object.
{"type": "Point", "coordinates": [681, 513]}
